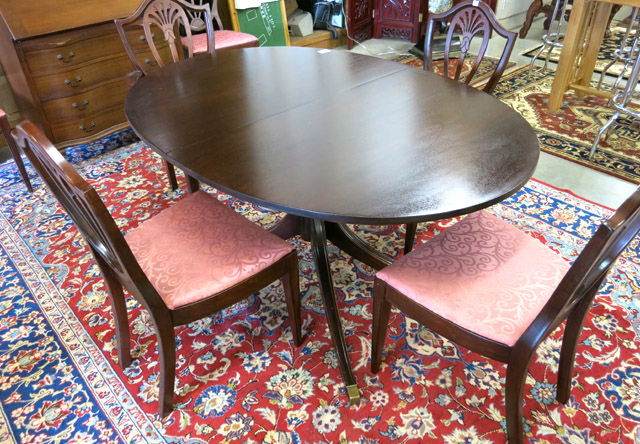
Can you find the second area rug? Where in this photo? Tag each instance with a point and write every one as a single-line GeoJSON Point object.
{"type": "Point", "coordinates": [570, 132]}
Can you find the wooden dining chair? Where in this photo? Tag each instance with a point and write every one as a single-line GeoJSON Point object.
{"type": "Point", "coordinates": [466, 20]}
{"type": "Point", "coordinates": [5, 130]}
{"type": "Point", "coordinates": [192, 260]}
{"type": "Point", "coordinates": [499, 292]}
{"type": "Point", "coordinates": [161, 21]}
{"type": "Point", "coordinates": [223, 39]}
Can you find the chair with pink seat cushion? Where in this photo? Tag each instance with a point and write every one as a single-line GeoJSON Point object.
{"type": "Point", "coordinates": [192, 260]}
{"type": "Point", "coordinates": [157, 23]}
{"type": "Point", "coordinates": [5, 130]}
{"type": "Point", "coordinates": [499, 292]}
{"type": "Point", "coordinates": [466, 20]}
{"type": "Point", "coordinates": [223, 39]}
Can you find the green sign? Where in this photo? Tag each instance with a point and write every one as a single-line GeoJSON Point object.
{"type": "Point", "coordinates": [265, 23]}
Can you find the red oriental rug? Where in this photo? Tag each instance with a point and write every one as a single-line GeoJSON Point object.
{"type": "Point", "coordinates": [240, 379]}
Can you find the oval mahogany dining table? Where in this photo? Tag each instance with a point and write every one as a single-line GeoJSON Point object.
{"type": "Point", "coordinates": [330, 138]}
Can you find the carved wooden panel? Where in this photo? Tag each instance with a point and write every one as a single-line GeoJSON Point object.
{"type": "Point", "coordinates": [359, 20]}
{"type": "Point", "coordinates": [396, 10]}
{"type": "Point", "coordinates": [397, 19]}
{"type": "Point", "coordinates": [393, 33]}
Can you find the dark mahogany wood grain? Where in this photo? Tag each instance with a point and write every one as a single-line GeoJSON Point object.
{"type": "Point", "coordinates": [332, 138]}
{"type": "Point", "coordinates": [336, 136]}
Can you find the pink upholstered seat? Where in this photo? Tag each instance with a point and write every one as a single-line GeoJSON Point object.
{"type": "Point", "coordinates": [190, 261]}
{"type": "Point", "coordinates": [482, 274]}
{"type": "Point", "coordinates": [223, 40]}
{"type": "Point", "coordinates": [198, 247]}
{"type": "Point", "coordinates": [498, 292]}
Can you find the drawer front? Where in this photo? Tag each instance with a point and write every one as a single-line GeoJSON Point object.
{"type": "Point", "coordinates": [138, 41]}
{"type": "Point", "coordinates": [148, 61]}
{"type": "Point", "coordinates": [81, 128]}
{"type": "Point", "coordinates": [71, 52]}
{"type": "Point", "coordinates": [81, 107]}
{"type": "Point", "coordinates": [81, 79]}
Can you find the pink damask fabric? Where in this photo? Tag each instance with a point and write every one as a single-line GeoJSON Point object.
{"type": "Point", "coordinates": [223, 40]}
{"type": "Point", "coordinates": [482, 274]}
{"type": "Point", "coordinates": [199, 247]}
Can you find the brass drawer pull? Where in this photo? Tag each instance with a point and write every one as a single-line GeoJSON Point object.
{"type": "Point", "coordinates": [83, 128]}
{"type": "Point", "coordinates": [150, 63]}
{"type": "Point", "coordinates": [61, 57]}
{"type": "Point", "coordinates": [144, 38]}
{"type": "Point", "coordinates": [79, 108]}
{"type": "Point", "coordinates": [73, 85]}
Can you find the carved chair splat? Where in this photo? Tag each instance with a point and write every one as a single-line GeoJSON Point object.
{"type": "Point", "coordinates": [224, 39]}
{"type": "Point", "coordinates": [470, 18]}
{"type": "Point", "coordinates": [164, 17]}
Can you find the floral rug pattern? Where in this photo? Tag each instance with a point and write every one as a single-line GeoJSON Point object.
{"type": "Point", "coordinates": [240, 379]}
{"type": "Point", "coordinates": [570, 132]}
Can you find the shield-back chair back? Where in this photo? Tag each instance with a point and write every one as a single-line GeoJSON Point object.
{"type": "Point", "coordinates": [160, 22]}
{"type": "Point", "coordinates": [469, 18]}
{"type": "Point", "coordinates": [173, 264]}
{"type": "Point", "coordinates": [499, 292]}
{"type": "Point", "coordinates": [224, 39]}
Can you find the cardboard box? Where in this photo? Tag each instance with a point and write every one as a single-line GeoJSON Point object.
{"type": "Point", "coordinates": [290, 6]}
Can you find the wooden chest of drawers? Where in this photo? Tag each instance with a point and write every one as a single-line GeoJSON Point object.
{"type": "Point", "coordinates": [66, 65]}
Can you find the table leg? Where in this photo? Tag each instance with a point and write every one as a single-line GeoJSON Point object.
{"type": "Point", "coordinates": [572, 45]}
{"type": "Point", "coordinates": [288, 227]}
{"type": "Point", "coordinates": [349, 242]}
{"type": "Point", "coordinates": [321, 258]}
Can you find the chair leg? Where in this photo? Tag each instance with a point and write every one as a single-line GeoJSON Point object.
{"type": "Point", "coordinates": [572, 330]}
{"type": "Point", "coordinates": [381, 312]}
{"type": "Point", "coordinates": [514, 394]}
{"type": "Point", "coordinates": [119, 310]}
{"type": "Point", "coordinates": [409, 237]}
{"type": "Point", "coordinates": [291, 285]}
{"type": "Point", "coordinates": [167, 360]}
{"type": "Point", "coordinates": [604, 128]}
{"type": "Point", "coordinates": [5, 129]}
{"type": "Point", "coordinates": [171, 172]}
{"type": "Point", "coordinates": [533, 60]}
{"type": "Point", "coordinates": [192, 185]}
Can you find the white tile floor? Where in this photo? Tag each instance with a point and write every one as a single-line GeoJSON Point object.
{"type": "Point", "coordinates": [586, 182]}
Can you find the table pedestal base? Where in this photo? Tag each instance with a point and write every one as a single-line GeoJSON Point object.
{"type": "Point", "coordinates": [318, 232]}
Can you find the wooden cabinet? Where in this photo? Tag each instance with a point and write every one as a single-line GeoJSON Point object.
{"type": "Point", "coordinates": [66, 65]}
{"type": "Point", "coordinates": [400, 19]}
{"type": "Point", "coordinates": [359, 20]}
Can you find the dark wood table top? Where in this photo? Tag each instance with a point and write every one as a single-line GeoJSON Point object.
{"type": "Point", "coordinates": [334, 135]}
